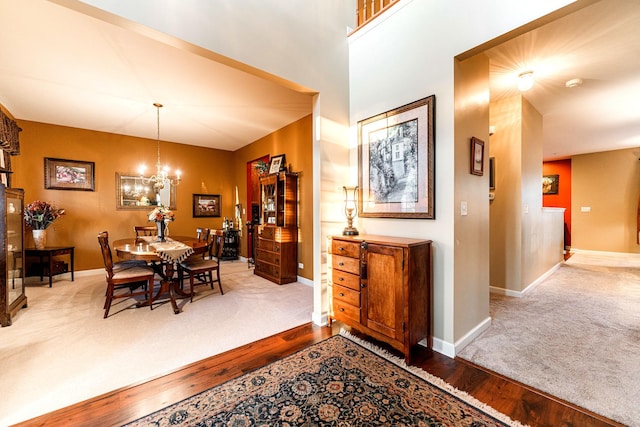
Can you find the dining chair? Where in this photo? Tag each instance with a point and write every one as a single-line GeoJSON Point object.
{"type": "Point", "coordinates": [145, 230]}
{"type": "Point", "coordinates": [202, 268]}
{"type": "Point", "coordinates": [124, 275]}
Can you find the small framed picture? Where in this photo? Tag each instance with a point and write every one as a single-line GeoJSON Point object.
{"type": "Point", "coordinates": [477, 156]}
{"type": "Point", "coordinates": [277, 163]}
{"type": "Point", "coordinates": [62, 174]}
{"type": "Point", "coordinates": [206, 205]}
{"type": "Point", "coordinates": [550, 184]}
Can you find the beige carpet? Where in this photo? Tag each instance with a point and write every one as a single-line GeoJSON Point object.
{"type": "Point", "coordinates": [575, 336]}
{"type": "Point", "coordinates": [60, 350]}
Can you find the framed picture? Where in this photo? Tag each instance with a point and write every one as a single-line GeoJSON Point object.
{"type": "Point", "coordinates": [396, 162]}
{"type": "Point", "coordinates": [62, 174]}
{"type": "Point", "coordinates": [550, 184]}
{"type": "Point", "coordinates": [477, 156]}
{"type": "Point", "coordinates": [206, 205]}
{"type": "Point", "coordinates": [277, 163]}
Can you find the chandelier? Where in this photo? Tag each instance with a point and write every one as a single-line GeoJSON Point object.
{"type": "Point", "coordinates": [161, 178]}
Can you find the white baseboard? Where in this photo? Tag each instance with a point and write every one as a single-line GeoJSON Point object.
{"type": "Point", "coordinates": [320, 319]}
{"type": "Point", "coordinates": [520, 294]}
{"type": "Point", "coordinates": [472, 334]}
{"type": "Point", "coordinates": [444, 347]}
{"type": "Point", "coordinates": [305, 281]}
{"type": "Point", "coordinates": [605, 253]}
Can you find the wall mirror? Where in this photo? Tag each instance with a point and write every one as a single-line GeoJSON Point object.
{"type": "Point", "coordinates": [132, 193]}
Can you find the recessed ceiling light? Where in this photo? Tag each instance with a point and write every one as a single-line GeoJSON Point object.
{"type": "Point", "coordinates": [573, 83]}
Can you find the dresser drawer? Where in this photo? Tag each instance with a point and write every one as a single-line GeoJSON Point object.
{"type": "Point", "coordinates": [348, 280]}
{"type": "Point", "coordinates": [344, 311]}
{"type": "Point", "coordinates": [268, 245]}
{"type": "Point", "coordinates": [343, 263]}
{"type": "Point", "coordinates": [348, 249]}
{"type": "Point", "coordinates": [349, 296]}
{"type": "Point", "coordinates": [268, 269]}
{"type": "Point", "coordinates": [267, 256]}
{"type": "Point", "coordinates": [268, 233]}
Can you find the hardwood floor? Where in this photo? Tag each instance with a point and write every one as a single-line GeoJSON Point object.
{"type": "Point", "coordinates": [127, 404]}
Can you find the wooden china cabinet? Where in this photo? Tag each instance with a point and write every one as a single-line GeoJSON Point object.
{"type": "Point", "coordinates": [276, 251]}
{"type": "Point", "coordinates": [12, 295]}
{"type": "Point", "coordinates": [381, 286]}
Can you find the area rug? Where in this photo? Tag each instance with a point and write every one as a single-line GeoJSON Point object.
{"type": "Point", "coordinates": [340, 381]}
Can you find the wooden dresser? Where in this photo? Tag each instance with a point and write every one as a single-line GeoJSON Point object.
{"type": "Point", "coordinates": [381, 286]}
{"type": "Point", "coordinates": [276, 251]}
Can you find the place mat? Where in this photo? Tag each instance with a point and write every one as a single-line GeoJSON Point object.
{"type": "Point", "coordinates": [170, 250]}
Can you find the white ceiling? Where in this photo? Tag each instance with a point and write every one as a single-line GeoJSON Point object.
{"type": "Point", "coordinates": [65, 68]}
{"type": "Point", "coordinates": [599, 44]}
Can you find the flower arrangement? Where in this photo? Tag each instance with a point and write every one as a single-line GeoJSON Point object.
{"type": "Point", "coordinates": [39, 215]}
{"type": "Point", "coordinates": [161, 213]}
{"type": "Point", "coordinates": [261, 167]}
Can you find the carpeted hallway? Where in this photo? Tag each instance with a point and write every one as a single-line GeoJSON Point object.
{"type": "Point", "coordinates": [575, 336]}
{"type": "Point", "coordinates": [60, 350]}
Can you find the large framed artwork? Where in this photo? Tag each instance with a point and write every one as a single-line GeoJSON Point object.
{"type": "Point", "coordinates": [206, 205]}
{"type": "Point", "coordinates": [396, 162]}
{"type": "Point", "coordinates": [62, 174]}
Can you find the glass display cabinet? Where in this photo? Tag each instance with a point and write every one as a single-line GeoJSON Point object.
{"type": "Point", "coordinates": [12, 295]}
{"type": "Point", "coordinates": [277, 235]}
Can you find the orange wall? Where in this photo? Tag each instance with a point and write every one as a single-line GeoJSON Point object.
{"type": "Point", "coordinates": [562, 168]}
{"type": "Point", "coordinates": [205, 171]}
{"type": "Point", "coordinates": [295, 142]}
{"type": "Point", "coordinates": [89, 212]}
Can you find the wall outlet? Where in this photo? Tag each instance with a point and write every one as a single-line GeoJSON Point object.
{"type": "Point", "coordinates": [300, 265]}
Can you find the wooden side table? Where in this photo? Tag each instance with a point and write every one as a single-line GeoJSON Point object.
{"type": "Point", "coordinates": [48, 253]}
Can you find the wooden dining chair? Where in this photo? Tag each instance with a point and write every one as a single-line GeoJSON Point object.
{"type": "Point", "coordinates": [124, 275]}
{"type": "Point", "coordinates": [145, 230]}
{"type": "Point", "coordinates": [202, 268]}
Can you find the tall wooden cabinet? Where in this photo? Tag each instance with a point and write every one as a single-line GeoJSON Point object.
{"type": "Point", "coordinates": [381, 286]}
{"type": "Point", "coordinates": [276, 251]}
{"type": "Point", "coordinates": [12, 296]}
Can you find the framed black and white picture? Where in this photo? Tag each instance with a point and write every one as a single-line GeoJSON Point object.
{"type": "Point", "coordinates": [396, 162]}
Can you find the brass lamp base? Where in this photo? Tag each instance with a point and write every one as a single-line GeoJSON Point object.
{"type": "Point", "coordinates": [350, 231]}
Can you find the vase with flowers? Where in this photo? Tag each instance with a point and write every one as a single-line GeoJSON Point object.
{"type": "Point", "coordinates": [38, 216]}
{"type": "Point", "coordinates": [161, 215]}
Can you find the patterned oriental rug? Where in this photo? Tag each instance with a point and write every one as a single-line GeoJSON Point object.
{"type": "Point", "coordinates": [341, 381]}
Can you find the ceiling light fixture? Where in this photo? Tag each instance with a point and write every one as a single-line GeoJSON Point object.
{"type": "Point", "coordinates": [525, 81]}
{"type": "Point", "coordinates": [573, 83]}
{"type": "Point", "coordinates": [161, 178]}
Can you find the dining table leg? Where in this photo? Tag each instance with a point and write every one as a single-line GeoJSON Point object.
{"type": "Point", "coordinates": [170, 285]}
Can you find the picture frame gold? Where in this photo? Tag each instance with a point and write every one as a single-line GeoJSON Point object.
{"type": "Point", "coordinates": [64, 174]}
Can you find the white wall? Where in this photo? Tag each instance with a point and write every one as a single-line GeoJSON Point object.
{"type": "Point", "coordinates": [406, 55]}
{"type": "Point", "coordinates": [401, 57]}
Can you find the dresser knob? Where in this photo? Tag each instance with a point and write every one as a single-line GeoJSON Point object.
{"type": "Point", "coordinates": [341, 294]}
{"type": "Point", "coordinates": [341, 249]}
{"type": "Point", "coordinates": [342, 309]}
{"type": "Point", "coordinates": [340, 279]}
{"type": "Point", "coordinates": [341, 264]}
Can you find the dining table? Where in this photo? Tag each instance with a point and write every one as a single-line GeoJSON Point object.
{"type": "Point", "coordinates": [163, 256]}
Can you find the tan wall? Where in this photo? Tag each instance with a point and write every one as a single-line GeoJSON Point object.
{"type": "Point", "coordinates": [533, 251]}
{"type": "Point", "coordinates": [295, 142]}
{"type": "Point", "coordinates": [525, 241]}
{"type": "Point", "coordinates": [471, 255]}
{"type": "Point", "coordinates": [506, 208]}
{"type": "Point", "coordinates": [205, 171]}
{"type": "Point", "coordinates": [609, 184]}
